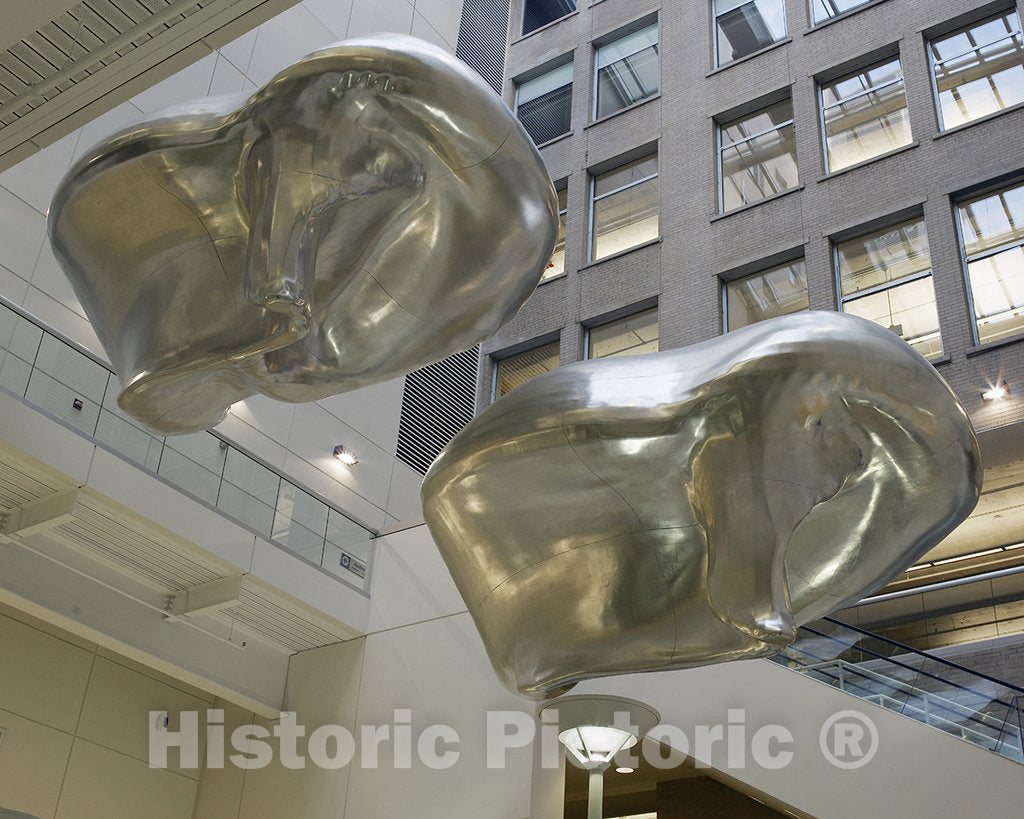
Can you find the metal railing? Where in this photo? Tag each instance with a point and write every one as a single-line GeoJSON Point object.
{"type": "Point", "coordinates": [70, 385]}
{"type": "Point", "coordinates": [966, 704]}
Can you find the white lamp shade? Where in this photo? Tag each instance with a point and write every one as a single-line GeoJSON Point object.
{"type": "Point", "coordinates": [596, 744]}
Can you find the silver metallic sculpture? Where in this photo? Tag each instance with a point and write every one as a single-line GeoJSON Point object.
{"type": "Point", "coordinates": [696, 505]}
{"type": "Point", "coordinates": [372, 209]}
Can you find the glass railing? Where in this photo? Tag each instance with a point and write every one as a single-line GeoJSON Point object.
{"type": "Point", "coordinates": [971, 706]}
{"type": "Point", "coordinates": [71, 386]}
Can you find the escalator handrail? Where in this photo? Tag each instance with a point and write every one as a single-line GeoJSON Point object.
{"type": "Point", "coordinates": [932, 657]}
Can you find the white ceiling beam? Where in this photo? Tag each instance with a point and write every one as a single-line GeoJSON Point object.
{"type": "Point", "coordinates": [206, 598]}
{"type": "Point", "coordinates": [37, 516]}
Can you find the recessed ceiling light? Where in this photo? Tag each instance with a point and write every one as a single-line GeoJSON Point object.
{"type": "Point", "coordinates": [345, 455]}
{"type": "Point", "coordinates": [996, 393]}
{"type": "Point", "coordinates": [625, 770]}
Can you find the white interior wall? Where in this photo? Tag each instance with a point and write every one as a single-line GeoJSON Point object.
{"type": "Point", "coordinates": [75, 728]}
{"type": "Point", "coordinates": [381, 490]}
{"type": "Point", "coordinates": [422, 653]}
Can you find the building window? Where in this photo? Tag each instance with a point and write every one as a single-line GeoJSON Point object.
{"type": "Point", "coordinates": [745, 26]}
{"type": "Point", "coordinates": [624, 205]}
{"type": "Point", "coordinates": [628, 71]}
{"type": "Point", "coordinates": [992, 231]}
{"type": "Point", "coordinates": [538, 13]}
{"type": "Point", "coordinates": [633, 335]}
{"type": "Point", "coordinates": [544, 104]}
{"type": "Point", "coordinates": [822, 10]}
{"type": "Point", "coordinates": [886, 277]}
{"type": "Point", "coordinates": [516, 370]}
{"type": "Point", "coordinates": [757, 156]}
{"type": "Point", "coordinates": [556, 267]}
{"type": "Point", "coordinates": [864, 115]}
{"type": "Point", "coordinates": [777, 291]}
{"type": "Point", "coordinates": [978, 70]}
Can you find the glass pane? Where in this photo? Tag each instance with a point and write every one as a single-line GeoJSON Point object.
{"type": "Point", "coordinates": [759, 168]}
{"type": "Point", "coordinates": [746, 27]}
{"type": "Point", "coordinates": [855, 85]}
{"type": "Point", "coordinates": [883, 256]}
{"type": "Point", "coordinates": [824, 9]}
{"type": "Point", "coordinates": [246, 508]}
{"type": "Point", "coordinates": [189, 475]}
{"type": "Point", "coordinates": [774, 292]}
{"type": "Point", "coordinates": [635, 171]}
{"type": "Point", "coordinates": [518, 369]}
{"type": "Point", "coordinates": [14, 374]}
{"type": "Point", "coordinates": [537, 13]}
{"type": "Point", "coordinates": [626, 219]}
{"type": "Point", "coordinates": [765, 119]}
{"type": "Point", "coordinates": [906, 309]}
{"type": "Point", "coordinates": [25, 340]}
{"type": "Point", "coordinates": [128, 440]}
{"type": "Point", "coordinates": [628, 46]}
{"type": "Point", "coordinates": [993, 220]}
{"type": "Point", "coordinates": [60, 400]}
{"type": "Point", "coordinates": [347, 550]}
{"type": "Point", "coordinates": [628, 71]}
{"type": "Point", "coordinates": [556, 267]}
{"type": "Point", "coordinates": [865, 126]}
{"type": "Point", "coordinates": [76, 371]}
{"type": "Point", "coordinates": [21, 339]}
{"type": "Point", "coordinates": [194, 463]}
{"type": "Point", "coordinates": [544, 104]}
{"type": "Point", "coordinates": [300, 522]}
{"type": "Point", "coordinates": [8, 322]}
{"type": "Point", "coordinates": [251, 476]}
{"type": "Point", "coordinates": [997, 284]}
{"type": "Point", "coordinates": [633, 335]}
{"type": "Point", "coordinates": [206, 450]}
{"type": "Point", "coordinates": [979, 69]}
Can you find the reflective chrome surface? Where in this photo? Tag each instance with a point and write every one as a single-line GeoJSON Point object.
{"type": "Point", "coordinates": [373, 208]}
{"type": "Point", "coordinates": [694, 506]}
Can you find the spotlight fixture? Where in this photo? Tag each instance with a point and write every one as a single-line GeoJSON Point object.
{"type": "Point", "coordinates": [625, 770]}
{"type": "Point", "coordinates": [996, 393]}
{"type": "Point", "coordinates": [345, 455]}
{"type": "Point", "coordinates": [594, 729]}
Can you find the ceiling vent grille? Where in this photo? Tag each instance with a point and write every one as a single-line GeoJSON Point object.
{"type": "Point", "coordinates": [438, 401]}
{"type": "Point", "coordinates": [80, 42]}
{"type": "Point", "coordinates": [483, 34]}
{"type": "Point", "coordinates": [104, 52]}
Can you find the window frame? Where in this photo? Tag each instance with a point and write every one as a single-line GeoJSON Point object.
{"type": "Point", "coordinates": [965, 260]}
{"type": "Point", "coordinates": [522, 19]}
{"type": "Point", "coordinates": [595, 199]}
{"type": "Point", "coordinates": [535, 344]}
{"type": "Point", "coordinates": [842, 300]}
{"type": "Point", "coordinates": [815, 23]}
{"type": "Point", "coordinates": [536, 74]}
{"type": "Point", "coordinates": [715, 53]}
{"type": "Point", "coordinates": [823, 126]}
{"type": "Point", "coordinates": [618, 315]}
{"type": "Point", "coordinates": [725, 280]}
{"type": "Point", "coordinates": [932, 64]}
{"type": "Point", "coordinates": [720, 127]}
{"type": "Point", "coordinates": [645, 22]}
{"type": "Point", "coordinates": [561, 185]}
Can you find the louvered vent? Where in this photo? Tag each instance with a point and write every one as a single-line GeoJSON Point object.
{"type": "Point", "coordinates": [438, 401]}
{"type": "Point", "coordinates": [483, 33]}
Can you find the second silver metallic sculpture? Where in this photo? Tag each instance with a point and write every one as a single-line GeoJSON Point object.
{"type": "Point", "coordinates": [697, 505]}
